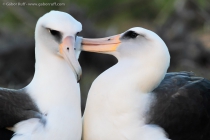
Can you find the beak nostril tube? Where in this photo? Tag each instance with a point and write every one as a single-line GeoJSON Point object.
{"type": "Point", "coordinates": [68, 48]}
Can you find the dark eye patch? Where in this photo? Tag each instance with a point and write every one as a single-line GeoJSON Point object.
{"type": "Point", "coordinates": [131, 34]}
{"type": "Point", "coordinates": [76, 35]}
{"type": "Point", "coordinates": [56, 34]}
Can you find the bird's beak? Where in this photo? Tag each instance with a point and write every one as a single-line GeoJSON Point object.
{"type": "Point", "coordinates": [107, 44]}
{"type": "Point", "coordinates": [67, 50]}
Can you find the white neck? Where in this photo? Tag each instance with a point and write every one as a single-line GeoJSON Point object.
{"type": "Point", "coordinates": [144, 75]}
{"type": "Point", "coordinates": [54, 81]}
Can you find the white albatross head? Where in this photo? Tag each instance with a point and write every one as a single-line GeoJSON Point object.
{"type": "Point", "coordinates": [139, 43]}
{"type": "Point", "coordinates": [135, 42]}
{"type": "Point", "coordinates": [56, 34]}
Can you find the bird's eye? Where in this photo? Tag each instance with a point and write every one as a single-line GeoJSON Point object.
{"type": "Point", "coordinates": [130, 34]}
{"type": "Point", "coordinates": [56, 34]}
{"type": "Point", "coordinates": [133, 35]}
{"type": "Point", "coordinates": [76, 35]}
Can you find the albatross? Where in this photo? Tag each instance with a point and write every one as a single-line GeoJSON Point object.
{"type": "Point", "coordinates": [136, 99]}
{"type": "Point", "coordinates": [48, 108]}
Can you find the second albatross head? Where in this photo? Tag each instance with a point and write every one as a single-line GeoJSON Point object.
{"type": "Point", "coordinates": [56, 34]}
{"type": "Point", "coordinates": [139, 43]}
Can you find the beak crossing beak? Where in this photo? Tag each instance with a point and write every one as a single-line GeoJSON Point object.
{"type": "Point", "coordinates": [67, 50]}
{"type": "Point", "coordinates": [107, 44]}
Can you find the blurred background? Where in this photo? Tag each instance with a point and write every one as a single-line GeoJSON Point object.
{"type": "Point", "coordinates": [183, 24]}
